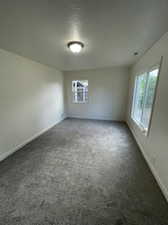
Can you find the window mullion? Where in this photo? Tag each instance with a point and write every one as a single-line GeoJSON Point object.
{"type": "Point", "coordinates": [83, 94]}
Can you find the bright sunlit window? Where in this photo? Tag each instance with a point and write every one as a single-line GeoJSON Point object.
{"type": "Point", "coordinates": [143, 99]}
{"type": "Point", "coordinates": [80, 91]}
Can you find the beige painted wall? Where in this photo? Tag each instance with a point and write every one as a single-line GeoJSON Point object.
{"type": "Point", "coordinates": [107, 93]}
{"type": "Point", "coordinates": [155, 146]}
{"type": "Point", "coordinates": [31, 100]}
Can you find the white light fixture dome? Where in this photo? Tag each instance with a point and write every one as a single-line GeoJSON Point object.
{"type": "Point", "coordinates": [75, 46]}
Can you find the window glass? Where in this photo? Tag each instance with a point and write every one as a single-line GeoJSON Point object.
{"type": "Point", "coordinates": [150, 93]}
{"type": "Point", "coordinates": [144, 93]}
{"type": "Point", "coordinates": [139, 97]}
{"type": "Point", "coordinates": [80, 91]}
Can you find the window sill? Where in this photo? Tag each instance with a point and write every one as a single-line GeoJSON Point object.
{"type": "Point", "coordinates": [80, 102]}
{"type": "Point", "coordinates": [140, 127]}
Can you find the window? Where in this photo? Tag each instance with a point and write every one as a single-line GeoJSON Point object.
{"type": "Point", "coordinates": [80, 91]}
{"type": "Point", "coordinates": [144, 93]}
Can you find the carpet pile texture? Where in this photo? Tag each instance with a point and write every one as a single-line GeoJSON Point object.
{"type": "Point", "coordinates": [81, 172]}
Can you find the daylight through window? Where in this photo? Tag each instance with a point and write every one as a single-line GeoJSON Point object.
{"type": "Point", "coordinates": [80, 91]}
{"type": "Point", "coordinates": [144, 92]}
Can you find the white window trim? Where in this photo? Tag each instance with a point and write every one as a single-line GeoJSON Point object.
{"type": "Point", "coordinates": [138, 124]}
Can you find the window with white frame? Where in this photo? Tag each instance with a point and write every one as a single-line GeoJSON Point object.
{"type": "Point", "coordinates": [143, 99]}
{"type": "Point", "coordinates": [80, 91]}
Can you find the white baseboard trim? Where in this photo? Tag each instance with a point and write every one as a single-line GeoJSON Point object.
{"type": "Point", "coordinates": [93, 118]}
{"type": "Point", "coordinates": [152, 168]}
{"type": "Point", "coordinates": [10, 152]}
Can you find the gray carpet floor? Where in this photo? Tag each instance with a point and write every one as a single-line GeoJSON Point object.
{"type": "Point", "coordinates": [81, 172]}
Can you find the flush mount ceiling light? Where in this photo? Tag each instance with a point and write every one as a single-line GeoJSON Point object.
{"type": "Point", "coordinates": [75, 46]}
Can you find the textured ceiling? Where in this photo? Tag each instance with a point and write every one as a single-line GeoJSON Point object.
{"type": "Point", "coordinates": [112, 30]}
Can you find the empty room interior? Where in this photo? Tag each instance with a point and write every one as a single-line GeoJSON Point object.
{"type": "Point", "coordinates": [84, 112]}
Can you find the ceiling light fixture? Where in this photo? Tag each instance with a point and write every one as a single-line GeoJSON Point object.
{"type": "Point", "coordinates": [75, 46]}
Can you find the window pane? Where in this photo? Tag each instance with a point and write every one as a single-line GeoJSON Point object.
{"type": "Point", "coordinates": [150, 92]}
{"type": "Point", "coordinates": [80, 91]}
{"type": "Point", "coordinates": [80, 96]}
{"type": "Point", "coordinates": [74, 96]}
{"type": "Point", "coordinates": [139, 97]}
